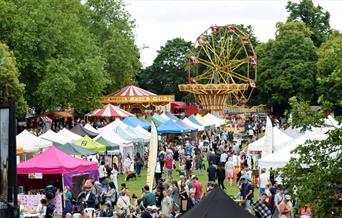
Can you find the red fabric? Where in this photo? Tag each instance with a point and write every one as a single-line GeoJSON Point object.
{"type": "Point", "coordinates": [55, 161]}
{"type": "Point", "coordinates": [198, 190]}
{"type": "Point", "coordinates": [168, 163]}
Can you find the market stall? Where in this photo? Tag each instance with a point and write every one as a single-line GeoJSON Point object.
{"type": "Point", "coordinates": [59, 169]}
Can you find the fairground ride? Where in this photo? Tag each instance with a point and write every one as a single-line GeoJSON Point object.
{"type": "Point", "coordinates": [222, 69]}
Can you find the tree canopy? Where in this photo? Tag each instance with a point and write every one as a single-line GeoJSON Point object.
{"type": "Point", "coordinates": [314, 17]}
{"type": "Point", "coordinates": [68, 51]}
{"type": "Point", "coordinates": [286, 65]}
{"type": "Point", "coordinates": [319, 161]}
{"type": "Point", "coordinates": [9, 76]}
{"type": "Point", "coordinates": [168, 69]}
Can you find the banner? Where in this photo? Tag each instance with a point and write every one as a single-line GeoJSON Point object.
{"type": "Point", "coordinates": [152, 155]}
{"type": "Point", "coordinates": [268, 142]}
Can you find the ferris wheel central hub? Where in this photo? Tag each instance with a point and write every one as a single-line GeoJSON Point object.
{"type": "Point", "coordinates": [221, 68]}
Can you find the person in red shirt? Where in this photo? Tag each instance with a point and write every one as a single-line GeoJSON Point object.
{"type": "Point", "coordinates": [168, 161]}
{"type": "Point", "coordinates": [197, 185]}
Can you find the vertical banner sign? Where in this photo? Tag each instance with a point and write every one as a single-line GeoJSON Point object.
{"type": "Point", "coordinates": [268, 142]}
{"type": "Point", "coordinates": [152, 155]}
{"type": "Point", "coordinates": [8, 184]}
{"type": "Point", "coordinates": [4, 134]}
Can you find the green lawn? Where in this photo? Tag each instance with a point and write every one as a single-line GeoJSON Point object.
{"type": "Point", "coordinates": [135, 186]}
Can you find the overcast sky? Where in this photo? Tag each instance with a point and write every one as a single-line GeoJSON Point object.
{"type": "Point", "coordinates": [159, 20]}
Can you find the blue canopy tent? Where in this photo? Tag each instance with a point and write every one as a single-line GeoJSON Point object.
{"type": "Point", "coordinates": [182, 123]}
{"type": "Point", "coordinates": [171, 116]}
{"type": "Point", "coordinates": [134, 122]}
{"type": "Point", "coordinates": [172, 127]}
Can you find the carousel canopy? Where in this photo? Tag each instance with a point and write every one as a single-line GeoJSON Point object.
{"type": "Point", "coordinates": [72, 149]}
{"type": "Point", "coordinates": [88, 143]}
{"type": "Point", "coordinates": [55, 161]}
{"type": "Point", "coordinates": [110, 110]}
{"type": "Point", "coordinates": [31, 143]}
{"type": "Point", "coordinates": [134, 122]}
{"type": "Point", "coordinates": [80, 130]}
{"type": "Point", "coordinates": [133, 91]}
{"type": "Point", "coordinates": [72, 137]}
{"type": "Point", "coordinates": [54, 137]}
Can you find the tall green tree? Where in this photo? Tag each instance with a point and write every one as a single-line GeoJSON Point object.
{"type": "Point", "coordinates": [316, 166]}
{"type": "Point", "coordinates": [329, 70]}
{"type": "Point", "coordinates": [168, 69]}
{"type": "Point", "coordinates": [9, 76]}
{"type": "Point", "coordinates": [113, 27]}
{"type": "Point", "coordinates": [313, 16]}
{"type": "Point", "coordinates": [286, 66]}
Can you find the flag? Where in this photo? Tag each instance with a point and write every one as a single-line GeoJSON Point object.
{"type": "Point", "coordinates": [152, 155]}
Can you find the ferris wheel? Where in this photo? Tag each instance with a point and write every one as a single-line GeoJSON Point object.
{"type": "Point", "coordinates": [222, 68]}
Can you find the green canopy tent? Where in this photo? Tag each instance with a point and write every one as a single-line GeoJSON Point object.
{"type": "Point", "coordinates": [130, 136]}
{"type": "Point", "coordinates": [88, 143]}
{"type": "Point", "coordinates": [110, 146]}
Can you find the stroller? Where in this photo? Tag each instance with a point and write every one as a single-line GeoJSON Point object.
{"type": "Point", "coordinates": [79, 203]}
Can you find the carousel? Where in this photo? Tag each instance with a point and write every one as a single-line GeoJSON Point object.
{"type": "Point", "coordinates": [136, 100]}
{"type": "Point", "coordinates": [222, 69]}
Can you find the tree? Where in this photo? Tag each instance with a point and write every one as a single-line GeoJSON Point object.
{"type": "Point", "coordinates": [113, 27]}
{"type": "Point", "coordinates": [9, 76]}
{"type": "Point", "coordinates": [313, 16]}
{"type": "Point", "coordinates": [168, 69]}
{"type": "Point", "coordinates": [286, 66]}
{"type": "Point", "coordinates": [316, 167]}
{"type": "Point", "coordinates": [329, 67]}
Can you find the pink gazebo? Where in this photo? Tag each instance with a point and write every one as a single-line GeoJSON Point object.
{"type": "Point", "coordinates": [54, 164]}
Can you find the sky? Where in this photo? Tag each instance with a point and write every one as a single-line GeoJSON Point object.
{"type": "Point", "coordinates": [160, 20]}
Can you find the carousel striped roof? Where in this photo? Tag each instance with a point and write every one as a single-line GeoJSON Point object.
{"type": "Point", "coordinates": [111, 111]}
{"type": "Point", "coordinates": [133, 91]}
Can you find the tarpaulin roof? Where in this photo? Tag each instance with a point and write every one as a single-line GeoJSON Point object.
{"type": "Point", "coordinates": [110, 110]}
{"type": "Point", "coordinates": [172, 127]}
{"type": "Point", "coordinates": [114, 138]}
{"type": "Point", "coordinates": [133, 91]}
{"type": "Point", "coordinates": [54, 137]}
{"type": "Point", "coordinates": [55, 161]}
{"type": "Point", "coordinates": [217, 204]}
{"type": "Point", "coordinates": [206, 122]}
{"type": "Point", "coordinates": [72, 149]}
{"type": "Point", "coordinates": [182, 123]}
{"type": "Point", "coordinates": [80, 130]}
{"type": "Point", "coordinates": [212, 118]}
{"type": "Point", "coordinates": [156, 121]}
{"type": "Point", "coordinates": [30, 142]}
{"type": "Point", "coordinates": [112, 125]}
{"type": "Point", "coordinates": [193, 119]}
{"type": "Point", "coordinates": [143, 131]}
{"type": "Point", "coordinates": [72, 137]}
{"type": "Point", "coordinates": [90, 144]}
{"type": "Point", "coordinates": [123, 133]}
{"type": "Point", "coordinates": [110, 146]}
{"type": "Point", "coordinates": [134, 122]}
{"type": "Point", "coordinates": [279, 138]}
{"type": "Point", "coordinates": [171, 116]}
{"type": "Point", "coordinates": [91, 128]}
{"type": "Point", "coordinates": [194, 125]}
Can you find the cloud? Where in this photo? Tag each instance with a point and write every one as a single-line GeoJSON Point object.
{"type": "Point", "coordinates": [159, 21]}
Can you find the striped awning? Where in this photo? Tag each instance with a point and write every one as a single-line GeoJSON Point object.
{"type": "Point", "coordinates": [133, 91]}
{"type": "Point", "coordinates": [110, 110]}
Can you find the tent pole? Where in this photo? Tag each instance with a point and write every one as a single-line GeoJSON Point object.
{"type": "Point", "coordinates": [62, 193]}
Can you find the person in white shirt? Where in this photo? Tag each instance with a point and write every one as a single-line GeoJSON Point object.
{"type": "Point", "coordinates": [102, 172]}
{"type": "Point", "coordinates": [124, 204]}
{"type": "Point", "coordinates": [223, 157]}
{"type": "Point", "coordinates": [127, 166]}
{"type": "Point", "coordinates": [41, 209]}
{"type": "Point", "coordinates": [264, 179]}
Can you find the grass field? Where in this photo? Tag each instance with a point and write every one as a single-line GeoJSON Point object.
{"type": "Point", "coordinates": [135, 186]}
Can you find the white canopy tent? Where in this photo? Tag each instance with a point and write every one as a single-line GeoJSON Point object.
{"type": "Point", "coordinates": [213, 119]}
{"type": "Point", "coordinates": [72, 137]}
{"type": "Point", "coordinates": [91, 128]}
{"type": "Point", "coordinates": [193, 125]}
{"type": "Point", "coordinates": [143, 131]}
{"type": "Point", "coordinates": [164, 116]}
{"type": "Point", "coordinates": [113, 125]}
{"type": "Point", "coordinates": [30, 142]}
{"type": "Point", "coordinates": [281, 157]}
{"type": "Point", "coordinates": [54, 137]}
{"type": "Point", "coordinates": [279, 139]}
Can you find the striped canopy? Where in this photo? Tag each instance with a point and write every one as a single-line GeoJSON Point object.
{"type": "Point", "coordinates": [133, 91]}
{"type": "Point", "coordinates": [110, 110]}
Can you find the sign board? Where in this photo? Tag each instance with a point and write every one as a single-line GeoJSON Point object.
{"type": "Point", "coordinates": [4, 143]}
